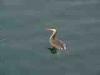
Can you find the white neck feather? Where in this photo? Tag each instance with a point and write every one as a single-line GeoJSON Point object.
{"type": "Point", "coordinates": [54, 33]}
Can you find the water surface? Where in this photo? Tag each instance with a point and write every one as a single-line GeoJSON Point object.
{"type": "Point", "coordinates": [24, 40]}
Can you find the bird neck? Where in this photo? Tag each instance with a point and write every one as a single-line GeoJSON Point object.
{"type": "Point", "coordinates": [53, 36]}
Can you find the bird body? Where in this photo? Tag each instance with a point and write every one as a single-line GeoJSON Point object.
{"type": "Point", "coordinates": [55, 42]}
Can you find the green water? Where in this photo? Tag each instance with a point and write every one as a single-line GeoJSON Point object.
{"type": "Point", "coordinates": [24, 40]}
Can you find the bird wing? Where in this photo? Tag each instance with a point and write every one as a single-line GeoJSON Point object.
{"type": "Point", "coordinates": [58, 43]}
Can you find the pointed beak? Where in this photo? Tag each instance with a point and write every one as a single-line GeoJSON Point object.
{"type": "Point", "coordinates": [48, 29]}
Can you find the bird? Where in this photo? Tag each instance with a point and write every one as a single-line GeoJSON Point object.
{"type": "Point", "coordinates": [54, 41]}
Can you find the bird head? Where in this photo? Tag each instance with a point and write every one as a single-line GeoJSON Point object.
{"type": "Point", "coordinates": [51, 29]}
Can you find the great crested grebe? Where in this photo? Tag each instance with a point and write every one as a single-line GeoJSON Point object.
{"type": "Point", "coordinates": [55, 42]}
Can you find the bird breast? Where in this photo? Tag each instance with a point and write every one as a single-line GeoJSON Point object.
{"type": "Point", "coordinates": [57, 44]}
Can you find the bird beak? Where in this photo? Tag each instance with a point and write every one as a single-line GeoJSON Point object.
{"type": "Point", "coordinates": [48, 29]}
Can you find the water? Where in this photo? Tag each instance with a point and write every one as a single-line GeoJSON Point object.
{"type": "Point", "coordinates": [24, 40]}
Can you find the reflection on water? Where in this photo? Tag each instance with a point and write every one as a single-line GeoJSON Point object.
{"type": "Point", "coordinates": [53, 50]}
{"type": "Point", "coordinates": [24, 41]}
